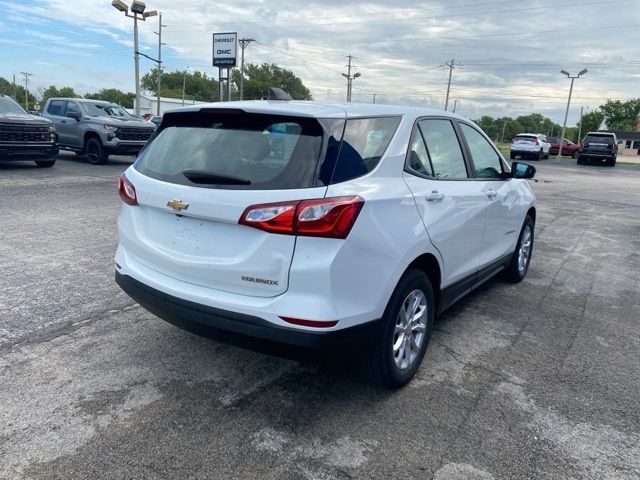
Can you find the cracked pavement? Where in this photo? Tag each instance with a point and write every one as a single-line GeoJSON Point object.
{"type": "Point", "coordinates": [535, 380]}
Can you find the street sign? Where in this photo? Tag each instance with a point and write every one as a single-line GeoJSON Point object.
{"type": "Point", "coordinates": [225, 46]}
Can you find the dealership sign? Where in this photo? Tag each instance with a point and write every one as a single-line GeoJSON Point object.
{"type": "Point", "coordinates": [225, 46]}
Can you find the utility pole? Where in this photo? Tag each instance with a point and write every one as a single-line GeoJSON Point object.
{"type": "Point", "coordinates": [566, 112]}
{"type": "Point", "coordinates": [455, 104]}
{"type": "Point", "coordinates": [184, 83]}
{"type": "Point", "coordinates": [350, 77]}
{"type": "Point", "coordinates": [14, 87]}
{"type": "Point", "coordinates": [244, 43]}
{"type": "Point", "coordinates": [374, 98]}
{"type": "Point", "coordinates": [26, 89]}
{"type": "Point", "coordinates": [452, 64]}
{"type": "Point", "coordinates": [580, 125]}
{"type": "Point", "coordinates": [159, 33]}
{"type": "Point", "coordinates": [504, 125]}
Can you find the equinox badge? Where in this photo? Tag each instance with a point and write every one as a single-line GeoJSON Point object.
{"type": "Point", "coordinates": [177, 205]}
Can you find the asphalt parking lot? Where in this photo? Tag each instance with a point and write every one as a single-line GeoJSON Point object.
{"type": "Point", "coordinates": [536, 380]}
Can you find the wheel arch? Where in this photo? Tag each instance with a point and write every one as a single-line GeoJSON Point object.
{"type": "Point", "coordinates": [532, 213]}
{"type": "Point", "coordinates": [428, 263]}
{"type": "Point", "coordinates": [91, 134]}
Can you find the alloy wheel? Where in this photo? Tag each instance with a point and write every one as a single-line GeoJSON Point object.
{"type": "Point", "coordinates": [410, 330]}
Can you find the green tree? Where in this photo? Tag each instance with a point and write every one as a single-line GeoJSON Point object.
{"type": "Point", "coordinates": [591, 122]}
{"type": "Point", "coordinates": [198, 86]}
{"type": "Point", "coordinates": [259, 78]}
{"type": "Point", "coordinates": [114, 95]}
{"type": "Point", "coordinates": [53, 91]}
{"type": "Point", "coordinates": [7, 88]}
{"type": "Point", "coordinates": [619, 115]}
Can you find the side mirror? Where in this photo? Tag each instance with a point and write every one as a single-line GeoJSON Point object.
{"type": "Point", "coordinates": [522, 170]}
{"type": "Point", "coordinates": [76, 115]}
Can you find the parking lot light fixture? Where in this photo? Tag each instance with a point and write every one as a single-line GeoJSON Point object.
{"type": "Point", "coordinates": [137, 7]}
{"type": "Point", "coordinates": [137, 13]}
{"type": "Point", "coordinates": [120, 5]}
{"type": "Point", "coordinates": [566, 112]}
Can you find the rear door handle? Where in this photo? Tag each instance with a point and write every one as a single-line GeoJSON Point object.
{"type": "Point", "coordinates": [434, 196]}
{"type": "Point", "coordinates": [492, 193]}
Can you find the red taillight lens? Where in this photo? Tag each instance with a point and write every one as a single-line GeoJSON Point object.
{"type": "Point", "coordinates": [127, 191]}
{"type": "Point", "coordinates": [535, 142]}
{"type": "Point", "coordinates": [271, 217]}
{"type": "Point", "coordinates": [513, 140]}
{"type": "Point", "coordinates": [323, 217]}
{"type": "Point", "coordinates": [328, 217]}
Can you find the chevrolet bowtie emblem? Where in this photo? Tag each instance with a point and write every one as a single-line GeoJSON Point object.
{"type": "Point", "coordinates": [177, 205]}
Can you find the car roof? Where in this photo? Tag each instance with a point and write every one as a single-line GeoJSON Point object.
{"type": "Point", "coordinates": [320, 109]}
{"type": "Point", "coordinates": [529, 134]}
{"type": "Point", "coordinates": [85, 100]}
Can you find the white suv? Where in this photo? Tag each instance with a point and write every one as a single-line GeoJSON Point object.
{"type": "Point", "coordinates": [309, 224]}
{"type": "Point", "coordinates": [532, 145]}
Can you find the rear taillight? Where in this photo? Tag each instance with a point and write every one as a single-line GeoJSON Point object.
{"type": "Point", "coordinates": [127, 191]}
{"type": "Point", "coordinates": [535, 142]}
{"type": "Point", "coordinates": [323, 217]}
{"type": "Point", "coordinates": [614, 147]}
{"type": "Point", "coordinates": [513, 140]}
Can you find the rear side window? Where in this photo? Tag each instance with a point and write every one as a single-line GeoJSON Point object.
{"type": "Point", "coordinates": [72, 107]}
{"type": "Point", "coordinates": [55, 107]}
{"type": "Point", "coordinates": [364, 142]}
{"type": "Point", "coordinates": [234, 150]}
{"type": "Point", "coordinates": [444, 149]}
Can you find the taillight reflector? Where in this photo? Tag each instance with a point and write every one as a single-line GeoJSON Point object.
{"type": "Point", "coordinates": [127, 191]}
{"type": "Point", "coordinates": [311, 323]}
{"type": "Point", "coordinates": [322, 217]}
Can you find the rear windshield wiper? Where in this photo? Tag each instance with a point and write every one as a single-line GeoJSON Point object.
{"type": "Point", "coordinates": [205, 176]}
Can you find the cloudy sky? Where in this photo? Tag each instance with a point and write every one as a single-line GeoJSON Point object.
{"type": "Point", "coordinates": [511, 51]}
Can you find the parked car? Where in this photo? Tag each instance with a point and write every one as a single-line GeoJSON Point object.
{"type": "Point", "coordinates": [365, 225]}
{"type": "Point", "coordinates": [600, 147]}
{"type": "Point", "coordinates": [24, 136]}
{"type": "Point", "coordinates": [530, 145]}
{"type": "Point", "coordinates": [96, 128]}
{"type": "Point", "coordinates": [568, 147]}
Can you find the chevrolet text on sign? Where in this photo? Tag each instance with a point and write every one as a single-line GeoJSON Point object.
{"type": "Point", "coordinates": [224, 49]}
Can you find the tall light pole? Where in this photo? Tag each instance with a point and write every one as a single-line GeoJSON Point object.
{"type": "Point", "coordinates": [159, 33]}
{"type": "Point", "coordinates": [137, 13]}
{"type": "Point", "coordinates": [566, 113]}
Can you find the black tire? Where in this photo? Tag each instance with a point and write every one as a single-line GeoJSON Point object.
{"type": "Point", "coordinates": [540, 155]}
{"type": "Point", "coordinates": [512, 155]}
{"type": "Point", "coordinates": [513, 273]}
{"type": "Point", "coordinates": [579, 160]}
{"type": "Point", "coordinates": [95, 152]}
{"type": "Point", "coordinates": [382, 363]}
{"type": "Point", "coordinates": [546, 156]}
{"type": "Point", "coordinates": [45, 163]}
{"type": "Point", "coordinates": [612, 162]}
{"type": "Point", "coordinates": [575, 154]}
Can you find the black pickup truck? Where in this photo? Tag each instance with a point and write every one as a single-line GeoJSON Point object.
{"type": "Point", "coordinates": [24, 136]}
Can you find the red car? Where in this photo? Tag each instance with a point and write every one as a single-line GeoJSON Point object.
{"type": "Point", "coordinates": [568, 147]}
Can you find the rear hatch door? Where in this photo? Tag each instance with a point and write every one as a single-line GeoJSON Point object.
{"type": "Point", "coordinates": [197, 177]}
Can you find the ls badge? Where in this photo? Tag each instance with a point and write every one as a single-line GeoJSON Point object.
{"type": "Point", "coordinates": [177, 205]}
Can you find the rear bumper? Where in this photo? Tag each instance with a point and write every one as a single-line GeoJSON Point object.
{"type": "Point", "coordinates": [208, 321]}
{"type": "Point", "coordinates": [586, 155]}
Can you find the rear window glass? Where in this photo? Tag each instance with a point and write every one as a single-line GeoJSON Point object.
{"type": "Point", "coordinates": [234, 151]}
{"type": "Point", "coordinates": [364, 142]}
{"type": "Point", "coordinates": [594, 138]}
{"type": "Point", "coordinates": [526, 138]}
